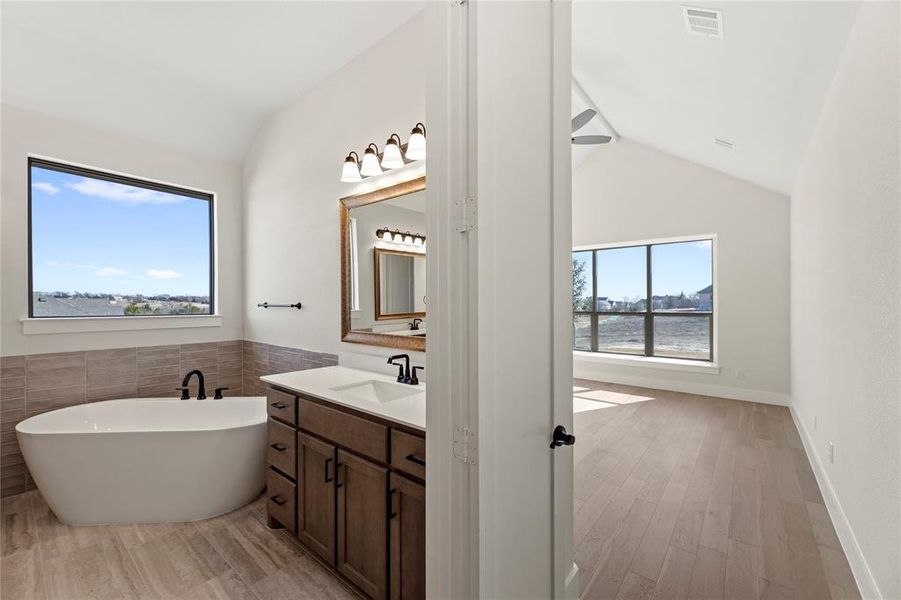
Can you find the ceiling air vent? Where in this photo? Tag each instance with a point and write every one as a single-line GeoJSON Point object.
{"type": "Point", "coordinates": [703, 21]}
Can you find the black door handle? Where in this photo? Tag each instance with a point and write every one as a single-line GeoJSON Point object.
{"type": "Point", "coordinates": [327, 478]}
{"type": "Point", "coordinates": [561, 438]}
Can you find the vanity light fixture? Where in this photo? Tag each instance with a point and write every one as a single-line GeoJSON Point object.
{"type": "Point", "coordinates": [400, 237]}
{"type": "Point", "coordinates": [396, 155]}
{"type": "Point", "coordinates": [371, 162]}
{"type": "Point", "coordinates": [416, 144]}
{"type": "Point", "coordinates": [351, 171]}
{"type": "Point", "coordinates": [391, 158]}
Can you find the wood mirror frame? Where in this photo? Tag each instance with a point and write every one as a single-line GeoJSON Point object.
{"type": "Point", "coordinates": [345, 205]}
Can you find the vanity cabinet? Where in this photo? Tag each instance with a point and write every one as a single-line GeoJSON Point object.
{"type": "Point", "coordinates": [362, 523]}
{"type": "Point", "coordinates": [316, 496]}
{"type": "Point", "coordinates": [351, 487]}
{"type": "Point", "coordinates": [407, 553]}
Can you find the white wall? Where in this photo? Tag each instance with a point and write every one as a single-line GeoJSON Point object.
{"type": "Point", "coordinates": [25, 132]}
{"type": "Point", "coordinates": [629, 192]}
{"type": "Point", "coordinates": [292, 188]}
{"type": "Point", "coordinates": [846, 312]}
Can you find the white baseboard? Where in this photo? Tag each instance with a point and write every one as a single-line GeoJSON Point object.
{"type": "Point", "coordinates": [859, 567]}
{"type": "Point", "coordinates": [572, 583]}
{"type": "Point", "coordinates": [687, 387]}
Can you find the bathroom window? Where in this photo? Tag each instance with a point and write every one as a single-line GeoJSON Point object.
{"type": "Point", "coordinates": [106, 245]}
{"type": "Point", "coordinates": [645, 300]}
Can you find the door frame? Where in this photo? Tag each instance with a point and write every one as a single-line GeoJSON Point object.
{"type": "Point", "coordinates": [452, 522]}
{"type": "Point", "coordinates": [457, 565]}
{"type": "Point", "coordinates": [566, 573]}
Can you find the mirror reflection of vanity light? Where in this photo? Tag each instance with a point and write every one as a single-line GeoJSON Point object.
{"type": "Point", "coordinates": [400, 237]}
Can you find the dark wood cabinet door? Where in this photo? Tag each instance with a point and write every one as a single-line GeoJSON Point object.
{"type": "Point", "coordinates": [407, 505]}
{"type": "Point", "coordinates": [316, 469]}
{"type": "Point", "coordinates": [363, 524]}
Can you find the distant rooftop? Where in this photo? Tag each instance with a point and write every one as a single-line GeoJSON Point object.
{"type": "Point", "coordinates": [50, 306]}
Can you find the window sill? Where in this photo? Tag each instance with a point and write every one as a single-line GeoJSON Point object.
{"type": "Point", "coordinates": [652, 362]}
{"type": "Point", "coordinates": [38, 326]}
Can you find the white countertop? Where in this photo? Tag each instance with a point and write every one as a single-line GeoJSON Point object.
{"type": "Point", "coordinates": [319, 383]}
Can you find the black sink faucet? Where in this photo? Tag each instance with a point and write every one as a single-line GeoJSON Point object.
{"type": "Point", "coordinates": [414, 326]}
{"type": "Point", "coordinates": [201, 392]}
{"type": "Point", "coordinates": [403, 372]}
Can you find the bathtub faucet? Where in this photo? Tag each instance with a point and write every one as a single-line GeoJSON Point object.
{"type": "Point", "coordinates": [201, 392]}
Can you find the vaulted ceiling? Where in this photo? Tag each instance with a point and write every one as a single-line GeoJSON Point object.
{"type": "Point", "coordinates": [760, 87]}
{"type": "Point", "coordinates": [198, 76]}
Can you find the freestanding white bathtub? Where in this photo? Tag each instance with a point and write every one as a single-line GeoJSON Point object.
{"type": "Point", "coordinates": [147, 460]}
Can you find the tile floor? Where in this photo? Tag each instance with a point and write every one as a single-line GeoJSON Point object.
{"type": "Point", "coordinates": [231, 557]}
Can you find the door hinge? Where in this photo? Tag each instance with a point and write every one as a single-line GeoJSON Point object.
{"type": "Point", "coordinates": [466, 446]}
{"type": "Point", "coordinates": [465, 215]}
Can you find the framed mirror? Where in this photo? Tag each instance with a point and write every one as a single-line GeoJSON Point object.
{"type": "Point", "coordinates": [399, 285]}
{"type": "Point", "coordinates": [383, 267]}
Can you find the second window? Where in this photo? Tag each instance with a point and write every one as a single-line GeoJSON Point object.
{"type": "Point", "coordinates": [646, 300]}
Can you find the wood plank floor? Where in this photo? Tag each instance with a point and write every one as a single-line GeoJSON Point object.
{"type": "Point", "coordinates": [231, 557]}
{"type": "Point", "coordinates": [684, 496]}
{"type": "Point", "coordinates": [676, 496]}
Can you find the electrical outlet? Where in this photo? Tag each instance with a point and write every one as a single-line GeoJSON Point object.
{"type": "Point", "coordinates": [739, 373]}
{"type": "Point", "coordinates": [831, 447]}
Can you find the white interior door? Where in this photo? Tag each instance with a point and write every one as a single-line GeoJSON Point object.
{"type": "Point", "coordinates": [522, 86]}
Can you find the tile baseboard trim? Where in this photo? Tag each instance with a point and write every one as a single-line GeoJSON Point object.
{"type": "Point", "coordinates": [39, 326]}
{"type": "Point", "coordinates": [866, 583]}
{"type": "Point", "coordinates": [686, 387]}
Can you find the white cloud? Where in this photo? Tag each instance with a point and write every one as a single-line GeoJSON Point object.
{"type": "Point", "coordinates": [118, 192]}
{"type": "Point", "coordinates": [110, 272]}
{"type": "Point", "coordinates": [46, 187]}
{"type": "Point", "coordinates": [162, 274]}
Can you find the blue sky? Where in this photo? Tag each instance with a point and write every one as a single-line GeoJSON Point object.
{"type": "Point", "coordinates": [92, 235]}
{"type": "Point", "coordinates": [684, 266]}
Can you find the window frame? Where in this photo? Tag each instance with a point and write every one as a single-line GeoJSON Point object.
{"type": "Point", "coordinates": [83, 171]}
{"type": "Point", "coordinates": [649, 314]}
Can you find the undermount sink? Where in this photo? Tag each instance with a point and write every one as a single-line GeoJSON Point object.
{"type": "Point", "coordinates": [377, 391]}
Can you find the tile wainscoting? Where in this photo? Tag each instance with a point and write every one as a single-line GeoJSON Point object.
{"type": "Point", "coordinates": [37, 383]}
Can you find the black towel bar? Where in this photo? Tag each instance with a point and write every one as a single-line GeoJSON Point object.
{"type": "Point", "coordinates": [297, 305]}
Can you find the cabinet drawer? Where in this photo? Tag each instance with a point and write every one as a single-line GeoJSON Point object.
{"type": "Point", "coordinates": [282, 450]}
{"type": "Point", "coordinates": [408, 453]}
{"type": "Point", "coordinates": [280, 499]}
{"type": "Point", "coordinates": [281, 406]}
{"type": "Point", "coordinates": [361, 435]}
